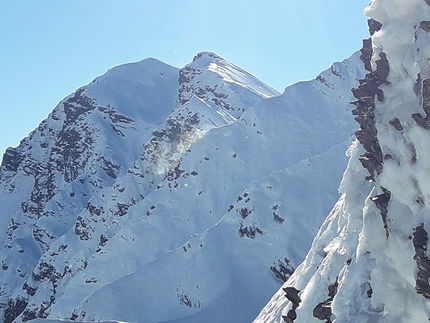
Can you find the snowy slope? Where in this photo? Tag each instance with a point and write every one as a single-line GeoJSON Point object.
{"type": "Point", "coordinates": [182, 193]}
{"type": "Point", "coordinates": [369, 260]}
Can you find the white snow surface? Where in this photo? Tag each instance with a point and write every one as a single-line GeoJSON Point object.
{"type": "Point", "coordinates": [376, 271]}
{"type": "Point", "coordinates": [145, 199]}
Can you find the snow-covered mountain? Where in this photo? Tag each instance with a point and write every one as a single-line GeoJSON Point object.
{"type": "Point", "coordinates": [369, 261]}
{"type": "Point", "coordinates": [157, 194]}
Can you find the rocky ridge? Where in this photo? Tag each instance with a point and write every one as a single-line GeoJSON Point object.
{"type": "Point", "coordinates": [369, 260]}
{"type": "Point", "coordinates": [151, 171]}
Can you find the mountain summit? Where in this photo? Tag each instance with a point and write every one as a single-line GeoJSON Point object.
{"type": "Point", "coordinates": [369, 261]}
{"type": "Point", "coordinates": [157, 194]}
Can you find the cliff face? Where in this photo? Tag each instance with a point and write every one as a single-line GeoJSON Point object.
{"type": "Point", "coordinates": [155, 194]}
{"type": "Point", "coordinates": [369, 260]}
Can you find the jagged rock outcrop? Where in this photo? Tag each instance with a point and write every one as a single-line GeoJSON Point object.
{"type": "Point", "coordinates": [365, 94]}
{"type": "Point", "coordinates": [371, 252]}
{"type": "Point", "coordinates": [420, 240]}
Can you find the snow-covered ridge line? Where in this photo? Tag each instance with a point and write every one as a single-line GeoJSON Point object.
{"type": "Point", "coordinates": [369, 262]}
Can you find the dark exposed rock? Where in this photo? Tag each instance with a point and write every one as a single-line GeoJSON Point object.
{"type": "Point", "coordinates": [69, 149]}
{"type": "Point", "coordinates": [91, 280]}
{"type": "Point", "coordinates": [292, 294]}
{"type": "Point", "coordinates": [369, 291]}
{"type": "Point", "coordinates": [366, 54]}
{"type": "Point", "coordinates": [41, 236]}
{"type": "Point", "coordinates": [323, 310]}
{"type": "Point", "coordinates": [396, 124]}
{"type": "Point", "coordinates": [423, 122]}
{"type": "Point", "coordinates": [388, 156]}
{"type": "Point", "coordinates": [103, 240]}
{"type": "Point", "coordinates": [426, 97]}
{"type": "Point", "coordinates": [425, 25]}
{"type": "Point", "coordinates": [420, 239]}
{"type": "Point", "coordinates": [189, 87]}
{"type": "Point", "coordinates": [12, 227]}
{"type": "Point", "coordinates": [30, 290]}
{"type": "Point", "coordinates": [332, 289]}
{"type": "Point", "coordinates": [427, 1]}
{"type": "Point", "coordinates": [381, 202]}
{"type": "Point", "coordinates": [14, 308]}
{"type": "Point", "coordinates": [93, 209]}
{"type": "Point", "coordinates": [77, 105]}
{"type": "Point", "coordinates": [45, 272]}
{"type": "Point", "coordinates": [210, 54]}
{"type": "Point", "coordinates": [283, 269]}
{"type": "Point", "coordinates": [278, 218]}
{"type": "Point", "coordinates": [245, 212]}
{"type": "Point", "coordinates": [365, 95]}
{"type": "Point", "coordinates": [374, 26]}
{"type": "Point", "coordinates": [324, 81]}
{"type": "Point", "coordinates": [186, 300]}
{"type": "Point", "coordinates": [122, 208]}
{"type": "Point", "coordinates": [418, 84]}
{"type": "Point", "coordinates": [373, 163]}
{"type": "Point", "coordinates": [249, 231]}
{"type": "Point", "coordinates": [111, 169]}
{"type": "Point", "coordinates": [290, 317]}
{"type": "Point", "coordinates": [425, 92]}
{"type": "Point", "coordinates": [28, 315]}
{"type": "Point", "coordinates": [114, 116]}
{"type": "Point", "coordinates": [82, 229]}
{"type": "Point", "coordinates": [11, 159]}
{"type": "Point", "coordinates": [382, 68]}
{"type": "Point", "coordinates": [66, 154]}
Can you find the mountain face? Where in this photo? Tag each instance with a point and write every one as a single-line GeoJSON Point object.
{"type": "Point", "coordinates": [157, 194]}
{"type": "Point", "coordinates": [369, 261]}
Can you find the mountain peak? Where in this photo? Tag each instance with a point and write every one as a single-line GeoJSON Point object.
{"type": "Point", "coordinates": [221, 84]}
{"type": "Point", "coordinates": [207, 55]}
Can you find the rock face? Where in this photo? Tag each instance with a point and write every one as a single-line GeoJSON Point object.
{"type": "Point", "coordinates": [371, 253]}
{"type": "Point", "coordinates": [168, 194]}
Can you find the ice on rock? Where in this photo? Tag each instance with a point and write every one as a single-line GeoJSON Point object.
{"type": "Point", "coordinates": [374, 243]}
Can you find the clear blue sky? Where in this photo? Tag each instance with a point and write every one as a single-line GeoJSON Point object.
{"type": "Point", "coordinates": [50, 48]}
